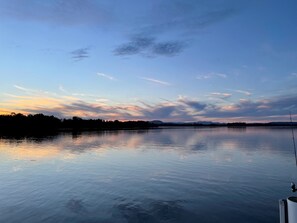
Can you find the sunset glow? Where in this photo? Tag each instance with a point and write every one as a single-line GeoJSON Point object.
{"type": "Point", "coordinates": [150, 60]}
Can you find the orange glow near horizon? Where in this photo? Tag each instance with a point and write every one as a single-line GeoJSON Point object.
{"type": "Point", "coordinates": [68, 106]}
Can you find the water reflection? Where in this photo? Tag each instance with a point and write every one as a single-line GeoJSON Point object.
{"type": "Point", "coordinates": [161, 175]}
{"type": "Point", "coordinates": [185, 141]}
{"type": "Point", "coordinates": [155, 211]}
{"type": "Point", "coordinates": [76, 206]}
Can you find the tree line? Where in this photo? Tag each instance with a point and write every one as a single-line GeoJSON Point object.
{"type": "Point", "coordinates": [40, 122]}
{"type": "Point", "coordinates": [20, 123]}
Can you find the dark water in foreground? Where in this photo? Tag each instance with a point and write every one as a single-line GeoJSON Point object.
{"type": "Point", "coordinates": [167, 175]}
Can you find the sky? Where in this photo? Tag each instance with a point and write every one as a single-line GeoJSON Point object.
{"type": "Point", "coordinates": [170, 60]}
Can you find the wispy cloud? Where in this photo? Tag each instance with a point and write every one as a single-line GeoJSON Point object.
{"type": "Point", "coordinates": [211, 75]}
{"type": "Point", "coordinates": [77, 96]}
{"type": "Point", "coordinates": [17, 96]}
{"type": "Point", "coordinates": [294, 74]}
{"type": "Point", "coordinates": [22, 88]}
{"type": "Point", "coordinates": [247, 93]}
{"type": "Point", "coordinates": [109, 77]}
{"type": "Point", "coordinates": [38, 95]}
{"type": "Point", "coordinates": [182, 109]}
{"type": "Point", "coordinates": [33, 91]}
{"type": "Point", "coordinates": [61, 88]}
{"type": "Point", "coordinates": [155, 81]}
{"type": "Point", "coordinates": [68, 107]}
{"type": "Point", "coordinates": [80, 54]}
{"type": "Point", "coordinates": [221, 95]}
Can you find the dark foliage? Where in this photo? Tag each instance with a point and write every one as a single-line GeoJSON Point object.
{"type": "Point", "coordinates": [15, 123]}
{"type": "Point", "coordinates": [237, 125]}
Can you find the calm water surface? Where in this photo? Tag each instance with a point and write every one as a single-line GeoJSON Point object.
{"type": "Point", "coordinates": [161, 175]}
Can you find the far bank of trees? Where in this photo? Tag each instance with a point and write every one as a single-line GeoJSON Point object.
{"type": "Point", "coordinates": [41, 122]}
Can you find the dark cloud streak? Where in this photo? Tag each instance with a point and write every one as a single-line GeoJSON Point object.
{"type": "Point", "coordinates": [168, 48]}
{"type": "Point", "coordinates": [136, 45]}
{"type": "Point", "coordinates": [80, 54]}
{"type": "Point", "coordinates": [149, 47]}
{"type": "Point", "coordinates": [193, 104]}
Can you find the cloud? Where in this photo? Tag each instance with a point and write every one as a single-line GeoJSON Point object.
{"type": "Point", "coordinates": [61, 88]}
{"type": "Point", "coordinates": [211, 75]}
{"type": "Point", "coordinates": [106, 76]}
{"type": "Point", "coordinates": [89, 110]}
{"type": "Point", "coordinates": [294, 74]}
{"type": "Point", "coordinates": [181, 109]}
{"type": "Point", "coordinates": [273, 109]}
{"type": "Point", "coordinates": [168, 48]}
{"type": "Point", "coordinates": [33, 91]}
{"type": "Point", "coordinates": [84, 107]}
{"type": "Point", "coordinates": [160, 112]}
{"type": "Point", "coordinates": [22, 88]}
{"type": "Point", "coordinates": [77, 96]}
{"type": "Point", "coordinates": [80, 54]}
{"type": "Point", "coordinates": [66, 106]}
{"type": "Point", "coordinates": [247, 93]}
{"type": "Point", "coordinates": [259, 109]}
{"type": "Point", "coordinates": [137, 44]}
{"type": "Point", "coordinates": [127, 49]}
{"type": "Point", "coordinates": [199, 106]}
{"type": "Point", "coordinates": [221, 95]}
{"type": "Point", "coordinates": [155, 81]}
{"type": "Point", "coordinates": [149, 47]}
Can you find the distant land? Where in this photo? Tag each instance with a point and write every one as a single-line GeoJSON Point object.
{"type": "Point", "coordinates": [20, 123]}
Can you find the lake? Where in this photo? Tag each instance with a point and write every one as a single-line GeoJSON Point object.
{"type": "Point", "coordinates": [158, 175]}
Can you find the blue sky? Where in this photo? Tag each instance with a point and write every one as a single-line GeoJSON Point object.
{"type": "Point", "coordinates": [174, 60]}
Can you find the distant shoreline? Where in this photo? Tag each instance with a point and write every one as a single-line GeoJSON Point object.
{"type": "Point", "coordinates": [39, 123]}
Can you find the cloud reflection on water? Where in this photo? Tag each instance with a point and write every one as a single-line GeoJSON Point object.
{"type": "Point", "coordinates": [155, 211]}
{"type": "Point", "coordinates": [182, 141]}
